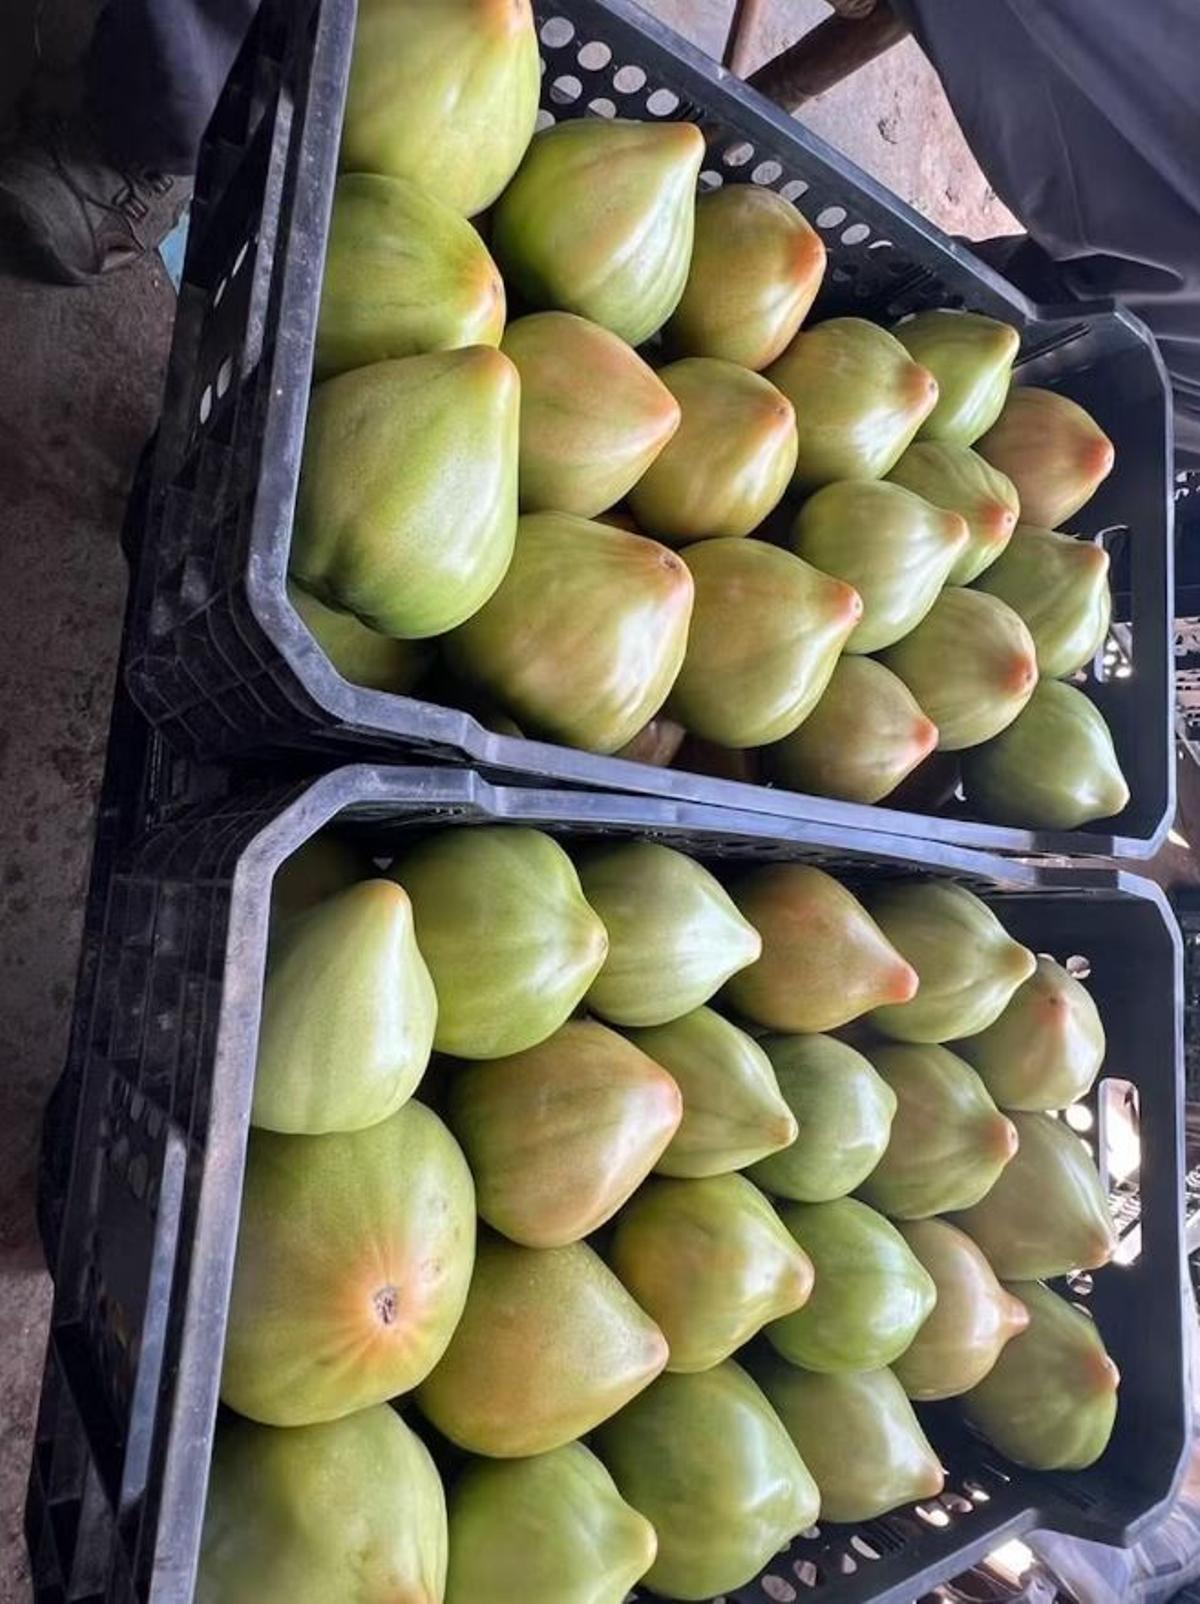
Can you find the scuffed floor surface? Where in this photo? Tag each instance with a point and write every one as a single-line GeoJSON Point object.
{"type": "Point", "coordinates": [891, 117]}
{"type": "Point", "coordinates": [83, 375]}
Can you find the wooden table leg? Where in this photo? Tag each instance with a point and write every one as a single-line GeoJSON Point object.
{"type": "Point", "coordinates": [832, 51]}
{"type": "Point", "coordinates": [746, 15]}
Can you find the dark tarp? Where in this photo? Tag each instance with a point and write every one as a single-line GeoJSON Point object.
{"type": "Point", "coordinates": [154, 72]}
{"type": "Point", "coordinates": [1085, 117]}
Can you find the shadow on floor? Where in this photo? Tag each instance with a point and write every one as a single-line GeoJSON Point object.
{"type": "Point", "coordinates": [83, 373]}
{"type": "Point", "coordinates": [83, 376]}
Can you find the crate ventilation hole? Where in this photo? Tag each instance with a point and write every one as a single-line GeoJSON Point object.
{"type": "Point", "coordinates": [791, 1572]}
{"type": "Point", "coordinates": [216, 390]}
{"type": "Point", "coordinates": [568, 66]}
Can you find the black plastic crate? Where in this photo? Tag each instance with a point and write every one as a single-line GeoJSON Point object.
{"type": "Point", "coordinates": [164, 1048]}
{"type": "Point", "coordinates": [1187, 601]}
{"type": "Point", "coordinates": [221, 663]}
{"type": "Point", "coordinates": [1187, 910]}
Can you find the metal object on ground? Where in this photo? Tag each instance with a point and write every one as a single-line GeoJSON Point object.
{"type": "Point", "coordinates": [833, 50]}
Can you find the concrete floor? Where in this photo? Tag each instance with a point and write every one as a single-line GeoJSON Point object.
{"type": "Point", "coordinates": [891, 117]}
{"type": "Point", "coordinates": [85, 374]}
{"type": "Point", "coordinates": [83, 371]}
{"type": "Point", "coordinates": [83, 380]}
